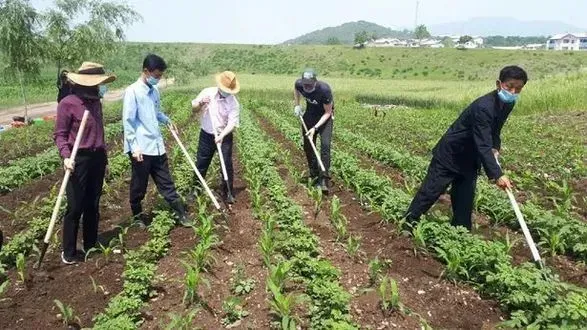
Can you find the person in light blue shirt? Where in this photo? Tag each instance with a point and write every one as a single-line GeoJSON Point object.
{"type": "Point", "coordinates": [143, 141]}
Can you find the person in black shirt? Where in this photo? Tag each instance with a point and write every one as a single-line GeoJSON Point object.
{"type": "Point", "coordinates": [472, 141]}
{"type": "Point", "coordinates": [318, 119]}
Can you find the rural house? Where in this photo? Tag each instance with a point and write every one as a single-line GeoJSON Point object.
{"type": "Point", "coordinates": [567, 41]}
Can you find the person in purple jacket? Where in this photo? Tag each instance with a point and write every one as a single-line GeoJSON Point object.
{"type": "Point", "coordinates": [89, 166]}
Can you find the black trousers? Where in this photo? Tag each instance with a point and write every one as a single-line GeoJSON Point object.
{"type": "Point", "coordinates": [325, 132]}
{"type": "Point", "coordinates": [437, 180]}
{"type": "Point", "coordinates": [158, 168]}
{"type": "Point", "coordinates": [206, 150]}
{"type": "Point", "coordinates": [84, 190]}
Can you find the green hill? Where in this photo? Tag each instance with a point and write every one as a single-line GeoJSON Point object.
{"type": "Point", "coordinates": [345, 34]}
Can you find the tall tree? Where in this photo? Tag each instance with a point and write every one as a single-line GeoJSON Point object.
{"type": "Point", "coordinates": [421, 32]}
{"type": "Point", "coordinates": [71, 40]}
{"type": "Point", "coordinates": [464, 39]}
{"type": "Point", "coordinates": [361, 37]}
{"type": "Point", "coordinates": [20, 42]}
{"type": "Point", "coordinates": [447, 42]}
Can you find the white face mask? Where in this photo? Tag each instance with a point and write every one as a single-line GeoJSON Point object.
{"type": "Point", "coordinates": [223, 93]}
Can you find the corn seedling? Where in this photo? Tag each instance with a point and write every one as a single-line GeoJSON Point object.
{"type": "Point", "coordinates": [181, 322]}
{"type": "Point", "coordinates": [419, 237]}
{"type": "Point", "coordinates": [105, 251]}
{"type": "Point", "coordinates": [202, 254]}
{"type": "Point", "coordinates": [317, 197]}
{"type": "Point", "coordinates": [95, 286]}
{"type": "Point", "coordinates": [376, 269]}
{"type": "Point", "coordinates": [509, 242]}
{"type": "Point", "coordinates": [267, 246]}
{"type": "Point", "coordinates": [282, 306]}
{"type": "Point", "coordinates": [278, 274]}
{"type": "Point", "coordinates": [20, 266]}
{"type": "Point", "coordinates": [3, 287]}
{"type": "Point", "coordinates": [353, 245]}
{"type": "Point", "coordinates": [66, 312]}
{"type": "Point", "coordinates": [553, 240]}
{"type": "Point", "coordinates": [233, 310]}
{"type": "Point", "coordinates": [389, 294]}
{"type": "Point", "coordinates": [192, 280]}
{"type": "Point", "coordinates": [121, 236]}
{"type": "Point", "coordinates": [454, 263]}
{"type": "Point", "coordinates": [338, 220]}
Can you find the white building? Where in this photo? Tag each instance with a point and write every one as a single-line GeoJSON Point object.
{"type": "Point", "coordinates": [567, 41]}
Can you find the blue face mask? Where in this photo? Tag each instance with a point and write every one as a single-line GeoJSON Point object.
{"type": "Point", "coordinates": [152, 80]}
{"type": "Point", "coordinates": [507, 97]}
{"type": "Point", "coordinates": [102, 89]}
{"type": "Point", "coordinates": [223, 93]}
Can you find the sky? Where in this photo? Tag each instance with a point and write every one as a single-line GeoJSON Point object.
{"type": "Point", "coordinates": [274, 21]}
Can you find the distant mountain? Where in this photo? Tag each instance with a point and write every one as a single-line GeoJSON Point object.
{"type": "Point", "coordinates": [345, 33]}
{"type": "Point", "coordinates": [491, 26]}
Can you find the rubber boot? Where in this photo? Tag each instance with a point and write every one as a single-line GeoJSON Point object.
{"type": "Point", "coordinates": [180, 214]}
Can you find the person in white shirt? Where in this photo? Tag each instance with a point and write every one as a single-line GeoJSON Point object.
{"type": "Point", "coordinates": [220, 116]}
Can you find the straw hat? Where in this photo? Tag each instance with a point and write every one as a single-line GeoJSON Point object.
{"type": "Point", "coordinates": [91, 74]}
{"type": "Point", "coordinates": [227, 82]}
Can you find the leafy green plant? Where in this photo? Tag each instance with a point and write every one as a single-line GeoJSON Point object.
{"type": "Point", "coordinates": [234, 311]}
{"type": "Point", "coordinates": [241, 285]}
{"type": "Point", "coordinates": [67, 313]}
{"type": "Point", "coordinates": [202, 255]}
{"type": "Point", "coordinates": [4, 286]}
{"type": "Point", "coordinates": [267, 246]}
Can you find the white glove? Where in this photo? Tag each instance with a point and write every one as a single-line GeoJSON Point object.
{"type": "Point", "coordinates": [298, 110]}
{"type": "Point", "coordinates": [69, 164]}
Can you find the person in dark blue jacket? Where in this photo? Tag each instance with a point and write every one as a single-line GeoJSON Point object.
{"type": "Point", "coordinates": [471, 142]}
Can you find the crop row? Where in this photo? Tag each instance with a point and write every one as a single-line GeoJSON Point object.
{"type": "Point", "coordinates": [289, 248]}
{"type": "Point", "coordinates": [532, 296]}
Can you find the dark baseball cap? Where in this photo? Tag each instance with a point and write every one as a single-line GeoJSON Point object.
{"type": "Point", "coordinates": [309, 76]}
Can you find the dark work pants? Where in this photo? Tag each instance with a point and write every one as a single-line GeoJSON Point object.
{"type": "Point", "coordinates": [84, 190]}
{"type": "Point", "coordinates": [207, 148]}
{"type": "Point", "coordinates": [325, 132]}
{"type": "Point", "coordinates": [158, 168]}
{"type": "Point", "coordinates": [437, 180]}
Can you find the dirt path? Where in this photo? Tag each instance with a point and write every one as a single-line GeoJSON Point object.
{"type": "Point", "coordinates": [40, 110]}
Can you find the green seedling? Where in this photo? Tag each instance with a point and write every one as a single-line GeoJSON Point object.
{"type": "Point", "coordinates": [97, 287]}
{"type": "Point", "coordinates": [20, 267]}
{"type": "Point", "coordinates": [282, 306]}
{"type": "Point", "coordinates": [317, 197]}
{"type": "Point", "coordinates": [353, 245]}
{"type": "Point", "coordinates": [241, 285]}
{"type": "Point", "coordinates": [267, 246]}
{"type": "Point", "coordinates": [192, 280]}
{"type": "Point", "coordinates": [67, 314]}
{"type": "Point", "coordinates": [181, 322]}
{"type": "Point", "coordinates": [389, 294]}
{"type": "Point", "coordinates": [234, 311]}
{"type": "Point", "coordinates": [376, 269]}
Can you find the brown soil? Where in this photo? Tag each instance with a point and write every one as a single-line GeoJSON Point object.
{"type": "Point", "coordinates": [239, 237]}
{"type": "Point", "coordinates": [30, 305]}
{"type": "Point", "coordinates": [418, 277]}
{"type": "Point", "coordinates": [568, 270]}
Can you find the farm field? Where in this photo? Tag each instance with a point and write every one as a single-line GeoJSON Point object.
{"type": "Point", "coordinates": [288, 256]}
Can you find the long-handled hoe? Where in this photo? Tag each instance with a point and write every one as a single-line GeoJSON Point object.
{"type": "Point", "coordinates": [66, 177]}
{"type": "Point", "coordinates": [320, 163]}
{"type": "Point", "coordinates": [202, 181]}
{"type": "Point", "coordinates": [525, 230]}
